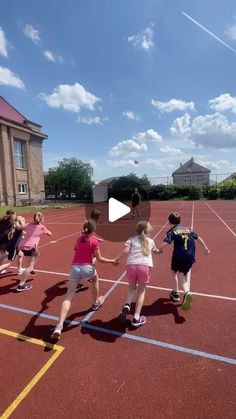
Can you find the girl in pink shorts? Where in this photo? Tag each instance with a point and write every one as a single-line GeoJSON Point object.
{"type": "Point", "coordinates": [139, 264]}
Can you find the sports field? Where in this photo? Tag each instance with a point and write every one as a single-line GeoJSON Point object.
{"type": "Point", "coordinates": [178, 365]}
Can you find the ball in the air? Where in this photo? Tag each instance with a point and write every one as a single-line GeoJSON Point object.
{"type": "Point", "coordinates": [136, 161]}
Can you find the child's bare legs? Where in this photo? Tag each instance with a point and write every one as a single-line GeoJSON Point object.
{"type": "Point", "coordinates": [19, 261]}
{"type": "Point", "coordinates": [27, 271]}
{"type": "Point", "coordinates": [187, 301]}
{"type": "Point", "coordinates": [185, 281]}
{"type": "Point", "coordinates": [131, 292]}
{"type": "Point", "coordinates": [175, 281]}
{"type": "Point", "coordinates": [71, 290]}
{"type": "Point", "coordinates": [94, 289]}
{"type": "Point", "coordinates": [4, 266]}
{"type": "Point", "coordinates": [139, 300]}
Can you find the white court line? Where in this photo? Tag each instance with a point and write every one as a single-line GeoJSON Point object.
{"type": "Point", "coordinates": [221, 219]}
{"type": "Point", "coordinates": [220, 297]}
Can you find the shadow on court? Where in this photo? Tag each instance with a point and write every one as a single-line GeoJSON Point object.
{"type": "Point", "coordinates": [163, 307]}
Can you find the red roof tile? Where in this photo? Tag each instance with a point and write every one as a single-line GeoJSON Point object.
{"type": "Point", "coordinates": [7, 111]}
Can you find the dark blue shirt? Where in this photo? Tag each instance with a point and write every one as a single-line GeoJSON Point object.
{"type": "Point", "coordinates": [184, 242]}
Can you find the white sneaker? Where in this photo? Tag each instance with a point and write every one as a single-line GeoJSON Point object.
{"type": "Point", "coordinates": [3, 272]}
{"type": "Point", "coordinates": [56, 333]}
{"type": "Point", "coordinates": [20, 271]}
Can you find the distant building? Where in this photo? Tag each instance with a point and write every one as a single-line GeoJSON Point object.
{"type": "Point", "coordinates": [21, 163]}
{"type": "Point", "coordinates": [100, 191]}
{"type": "Point", "coordinates": [191, 173]}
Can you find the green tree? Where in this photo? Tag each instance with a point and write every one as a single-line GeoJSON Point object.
{"type": "Point", "coordinates": [70, 176]}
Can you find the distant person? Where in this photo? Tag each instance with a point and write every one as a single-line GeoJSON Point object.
{"type": "Point", "coordinates": [139, 264]}
{"type": "Point", "coordinates": [183, 256]}
{"type": "Point", "coordinates": [28, 247]}
{"type": "Point", "coordinates": [135, 202]}
{"type": "Point", "coordinates": [82, 268]}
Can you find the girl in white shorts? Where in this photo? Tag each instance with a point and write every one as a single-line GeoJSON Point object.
{"type": "Point", "coordinates": [139, 264]}
{"type": "Point", "coordinates": [82, 268]}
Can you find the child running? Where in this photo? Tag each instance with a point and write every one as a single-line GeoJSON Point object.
{"type": "Point", "coordinates": [94, 216]}
{"type": "Point", "coordinates": [82, 268]}
{"type": "Point", "coordinates": [139, 264]}
{"type": "Point", "coordinates": [7, 225]}
{"type": "Point", "coordinates": [28, 247]}
{"type": "Point", "coordinates": [183, 256]}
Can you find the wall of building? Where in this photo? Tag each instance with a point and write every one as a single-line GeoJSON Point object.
{"type": "Point", "coordinates": [191, 179]}
{"type": "Point", "coordinates": [11, 177]}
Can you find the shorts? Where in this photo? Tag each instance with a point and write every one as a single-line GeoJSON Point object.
{"type": "Point", "coordinates": [82, 272]}
{"type": "Point", "coordinates": [181, 266]}
{"type": "Point", "coordinates": [12, 252]}
{"type": "Point", "coordinates": [135, 204]}
{"type": "Point", "coordinates": [138, 274]}
{"type": "Point", "coordinates": [30, 252]}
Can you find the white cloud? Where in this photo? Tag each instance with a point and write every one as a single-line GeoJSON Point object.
{"type": "Point", "coordinates": [231, 32]}
{"type": "Point", "coordinates": [89, 120]}
{"type": "Point", "coordinates": [70, 97]}
{"type": "Point", "coordinates": [223, 103]}
{"type": "Point", "coordinates": [219, 165]}
{"type": "Point", "coordinates": [127, 147]}
{"type": "Point", "coordinates": [148, 135]}
{"type": "Point", "coordinates": [121, 163]}
{"type": "Point", "coordinates": [54, 58]}
{"type": "Point", "coordinates": [131, 116]}
{"type": "Point", "coordinates": [8, 78]}
{"type": "Point", "coordinates": [3, 43]}
{"type": "Point", "coordinates": [143, 39]}
{"type": "Point", "coordinates": [32, 33]}
{"type": "Point", "coordinates": [173, 105]}
{"type": "Point", "coordinates": [213, 130]}
{"type": "Point", "coordinates": [170, 150]}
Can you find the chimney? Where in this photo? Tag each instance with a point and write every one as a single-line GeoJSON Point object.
{"type": "Point", "coordinates": [191, 160]}
{"type": "Point", "coordinates": [180, 165]}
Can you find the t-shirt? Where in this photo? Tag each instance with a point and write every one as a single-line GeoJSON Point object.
{"type": "Point", "coordinates": [6, 226]}
{"type": "Point", "coordinates": [135, 198]}
{"type": "Point", "coordinates": [184, 242]}
{"type": "Point", "coordinates": [84, 251]}
{"type": "Point", "coordinates": [32, 236]}
{"type": "Point", "coordinates": [136, 256]}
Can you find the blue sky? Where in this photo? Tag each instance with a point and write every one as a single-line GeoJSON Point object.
{"type": "Point", "coordinates": [114, 82]}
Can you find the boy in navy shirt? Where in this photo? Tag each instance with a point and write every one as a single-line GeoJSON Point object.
{"type": "Point", "coordinates": [183, 256]}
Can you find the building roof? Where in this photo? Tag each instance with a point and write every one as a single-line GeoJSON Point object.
{"type": "Point", "coordinates": [190, 167]}
{"type": "Point", "coordinates": [108, 181]}
{"type": "Point", "coordinates": [10, 114]}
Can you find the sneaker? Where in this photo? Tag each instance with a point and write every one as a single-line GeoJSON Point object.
{"type": "Point", "coordinates": [187, 302]}
{"type": "Point", "coordinates": [136, 323]}
{"type": "Point", "coordinates": [174, 296]}
{"type": "Point", "coordinates": [56, 334]}
{"type": "Point", "coordinates": [80, 287]}
{"type": "Point", "coordinates": [20, 271]}
{"type": "Point", "coordinates": [24, 287]}
{"type": "Point", "coordinates": [98, 304]}
{"type": "Point", "coordinates": [3, 272]}
{"type": "Point", "coordinates": [33, 272]}
{"type": "Point", "coordinates": [124, 312]}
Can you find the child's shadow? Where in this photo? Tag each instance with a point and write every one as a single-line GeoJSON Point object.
{"type": "Point", "coordinates": [163, 306]}
{"type": "Point", "coordinates": [108, 331]}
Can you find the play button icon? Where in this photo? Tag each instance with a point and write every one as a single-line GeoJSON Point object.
{"type": "Point", "coordinates": [116, 210]}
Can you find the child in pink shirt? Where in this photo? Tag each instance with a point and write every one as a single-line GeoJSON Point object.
{"type": "Point", "coordinates": [82, 268]}
{"type": "Point", "coordinates": [29, 247]}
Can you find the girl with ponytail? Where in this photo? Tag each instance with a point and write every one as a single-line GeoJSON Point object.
{"type": "Point", "coordinates": [139, 264]}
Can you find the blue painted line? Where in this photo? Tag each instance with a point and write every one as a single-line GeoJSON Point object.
{"type": "Point", "coordinates": [37, 313]}
{"type": "Point", "coordinates": [141, 339]}
{"type": "Point", "coordinates": [160, 344]}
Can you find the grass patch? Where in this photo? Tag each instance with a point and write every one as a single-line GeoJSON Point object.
{"type": "Point", "coordinates": [39, 207]}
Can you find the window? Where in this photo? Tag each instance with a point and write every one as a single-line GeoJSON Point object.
{"type": "Point", "coordinates": [22, 188]}
{"type": "Point", "coordinates": [19, 154]}
{"type": "Point", "coordinates": [200, 177]}
{"type": "Point", "coordinates": [186, 178]}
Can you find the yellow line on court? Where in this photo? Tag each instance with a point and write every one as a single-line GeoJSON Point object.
{"type": "Point", "coordinates": [40, 373]}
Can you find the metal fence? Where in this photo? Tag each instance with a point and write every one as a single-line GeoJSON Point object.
{"type": "Point", "coordinates": [189, 179]}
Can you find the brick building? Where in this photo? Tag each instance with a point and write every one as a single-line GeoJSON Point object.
{"type": "Point", "coordinates": [21, 163]}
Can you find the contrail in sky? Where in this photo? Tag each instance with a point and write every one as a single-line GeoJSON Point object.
{"type": "Point", "coordinates": [209, 32]}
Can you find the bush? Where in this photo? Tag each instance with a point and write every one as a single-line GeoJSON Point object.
{"type": "Point", "coordinates": [228, 192]}
{"type": "Point", "coordinates": [213, 193]}
{"type": "Point", "coordinates": [195, 192]}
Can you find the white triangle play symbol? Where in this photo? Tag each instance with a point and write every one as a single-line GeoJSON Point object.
{"type": "Point", "coordinates": [116, 210]}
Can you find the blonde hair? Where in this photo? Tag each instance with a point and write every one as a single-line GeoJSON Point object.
{"type": "Point", "coordinates": [38, 217]}
{"type": "Point", "coordinates": [88, 228]}
{"type": "Point", "coordinates": [142, 229]}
